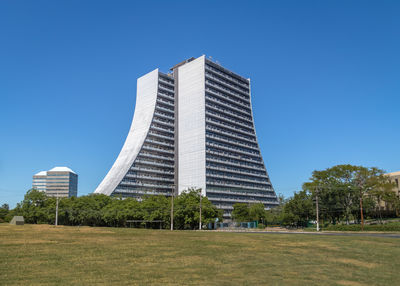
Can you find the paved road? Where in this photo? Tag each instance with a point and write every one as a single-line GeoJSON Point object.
{"type": "Point", "coordinates": [374, 234]}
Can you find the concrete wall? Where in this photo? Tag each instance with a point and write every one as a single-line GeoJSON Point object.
{"type": "Point", "coordinates": [147, 87]}
{"type": "Point", "coordinates": [191, 125]}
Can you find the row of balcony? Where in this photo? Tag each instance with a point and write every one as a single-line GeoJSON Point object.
{"type": "Point", "coordinates": [217, 183]}
{"type": "Point", "coordinates": [231, 133]}
{"type": "Point", "coordinates": [166, 122]}
{"type": "Point", "coordinates": [166, 95]}
{"type": "Point", "coordinates": [231, 92]}
{"type": "Point", "coordinates": [139, 184]}
{"type": "Point", "coordinates": [162, 108]}
{"type": "Point", "coordinates": [160, 135]}
{"type": "Point", "coordinates": [137, 192]}
{"type": "Point", "coordinates": [225, 85]}
{"type": "Point", "coordinates": [158, 142]}
{"type": "Point", "coordinates": [215, 92]}
{"type": "Point", "coordinates": [240, 200]}
{"type": "Point", "coordinates": [268, 195]}
{"type": "Point", "coordinates": [232, 140]}
{"type": "Point", "coordinates": [215, 70]}
{"type": "Point", "coordinates": [158, 156]}
{"type": "Point", "coordinates": [235, 163]}
{"type": "Point", "coordinates": [147, 162]}
{"type": "Point", "coordinates": [219, 145]}
{"type": "Point", "coordinates": [164, 115]}
{"type": "Point", "coordinates": [147, 177]}
{"type": "Point", "coordinates": [213, 174]}
{"type": "Point", "coordinates": [228, 115]}
{"type": "Point", "coordinates": [137, 168]}
{"type": "Point", "coordinates": [232, 155]}
{"type": "Point", "coordinates": [166, 87]}
{"type": "Point", "coordinates": [165, 103]}
{"type": "Point", "coordinates": [221, 122]}
{"type": "Point", "coordinates": [167, 81]}
{"type": "Point", "coordinates": [158, 149]}
{"type": "Point", "coordinates": [164, 130]}
{"type": "Point", "coordinates": [240, 112]}
{"type": "Point", "coordinates": [247, 173]}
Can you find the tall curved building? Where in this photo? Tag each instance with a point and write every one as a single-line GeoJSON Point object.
{"type": "Point", "coordinates": [193, 127]}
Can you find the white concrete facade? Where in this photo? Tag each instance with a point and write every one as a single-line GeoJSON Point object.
{"type": "Point", "coordinates": [147, 87]}
{"type": "Point", "coordinates": [191, 126]}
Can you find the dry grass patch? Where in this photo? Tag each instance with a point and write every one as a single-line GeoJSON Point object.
{"type": "Point", "coordinates": [354, 262]}
{"type": "Point", "coordinates": [348, 283]}
{"type": "Point", "coordinates": [107, 256]}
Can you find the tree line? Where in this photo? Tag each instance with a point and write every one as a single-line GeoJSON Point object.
{"type": "Point", "coordinates": [346, 194]}
{"type": "Point", "coordinates": [102, 210]}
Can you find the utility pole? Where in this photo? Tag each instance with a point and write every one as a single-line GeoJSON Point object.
{"type": "Point", "coordinates": [361, 185]}
{"type": "Point", "coordinates": [56, 222]}
{"type": "Point", "coordinates": [317, 211]}
{"type": "Point", "coordinates": [172, 209]}
{"type": "Point", "coordinates": [362, 215]}
{"type": "Point", "coordinates": [200, 212]}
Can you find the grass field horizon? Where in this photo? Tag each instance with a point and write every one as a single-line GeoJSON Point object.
{"type": "Point", "coordinates": [44, 254]}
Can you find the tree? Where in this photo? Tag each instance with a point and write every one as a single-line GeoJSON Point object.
{"type": "Point", "coordinates": [87, 210]}
{"type": "Point", "coordinates": [156, 208]}
{"type": "Point", "coordinates": [369, 180]}
{"type": "Point", "coordinates": [187, 210]}
{"type": "Point", "coordinates": [240, 212]}
{"type": "Point", "coordinates": [257, 212]}
{"type": "Point", "coordinates": [336, 192]}
{"type": "Point", "coordinates": [392, 201]}
{"type": "Point", "coordinates": [299, 209]}
{"type": "Point", "coordinates": [118, 211]}
{"type": "Point", "coordinates": [4, 210]}
{"type": "Point", "coordinates": [274, 216]}
{"type": "Point", "coordinates": [383, 193]}
{"type": "Point", "coordinates": [33, 207]}
{"type": "Point", "coordinates": [342, 190]}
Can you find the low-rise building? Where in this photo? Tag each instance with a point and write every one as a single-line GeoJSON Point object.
{"type": "Point", "coordinates": [395, 178]}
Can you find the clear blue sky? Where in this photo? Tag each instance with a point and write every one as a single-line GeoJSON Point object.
{"type": "Point", "coordinates": [325, 80]}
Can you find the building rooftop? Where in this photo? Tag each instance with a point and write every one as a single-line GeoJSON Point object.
{"type": "Point", "coordinates": [62, 169]}
{"type": "Point", "coordinates": [41, 173]}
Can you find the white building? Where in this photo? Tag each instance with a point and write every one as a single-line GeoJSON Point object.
{"type": "Point", "coordinates": [192, 128]}
{"type": "Point", "coordinates": [57, 182]}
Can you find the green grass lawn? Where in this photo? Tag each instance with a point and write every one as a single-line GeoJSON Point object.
{"type": "Point", "coordinates": [42, 254]}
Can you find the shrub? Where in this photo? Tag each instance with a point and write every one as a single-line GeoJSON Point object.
{"type": "Point", "coordinates": [392, 226]}
{"type": "Point", "coordinates": [261, 226]}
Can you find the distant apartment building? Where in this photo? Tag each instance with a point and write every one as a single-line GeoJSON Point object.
{"type": "Point", "coordinates": [57, 182]}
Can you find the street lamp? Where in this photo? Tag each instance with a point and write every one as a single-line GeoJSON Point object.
{"type": "Point", "coordinates": [56, 222]}
{"type": "Point", "coordinates": [200, 212]}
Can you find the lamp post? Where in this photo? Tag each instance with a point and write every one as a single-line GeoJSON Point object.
{"type": "Point", "coordinates": [172, 207]}
{"type": "Point", "coordinates": [317, 209]}
{"type": "Point", "coordinates": [56, 222]}
{"type": "Point", "coordinates": [200, 212]}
